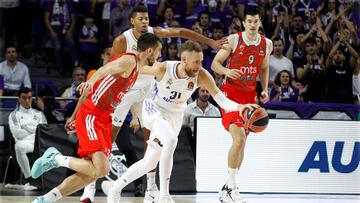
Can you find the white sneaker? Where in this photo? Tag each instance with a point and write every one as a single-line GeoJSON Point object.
{"type": "Point", "coordinates": [230, 195]}
{"type": "Point", "coordinates": [113, 197]}
{"type": "Point", "coordinates": [106, 186]}
{"type": "Point", "coordinates": [166, 199]}
{"type": "Point", "coordinates": [151, 194]}
{"type": "Point", "coordinates": [89, 192]}
{"type": "Point", "coordinates": [29, 187]}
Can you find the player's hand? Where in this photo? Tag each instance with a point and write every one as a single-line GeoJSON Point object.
{"type": "Point", "coordinates": [264, 97]}
{"type": "Point", "coordinates": [85, 88]}
{"type": "Point", "coordinates": [251, 107]}
{"type": "Point", "coordinates": [233, 73]}
{"type": "Point", "coordinates": [219, 44]}
{"type": "Point", "coordinates": [70, 126]}
{"type": "Point", "coordinates": [134, 124]}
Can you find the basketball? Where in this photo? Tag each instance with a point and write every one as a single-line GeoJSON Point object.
{"type": "Point", "coordinates": [255, 120]}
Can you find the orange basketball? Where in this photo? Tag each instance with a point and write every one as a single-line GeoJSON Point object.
{"type": "Point", "coordinates": [255, 120]}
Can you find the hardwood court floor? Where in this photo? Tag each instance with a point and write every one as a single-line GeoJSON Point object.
{"type": "Point", "coordinates": [209, 198]}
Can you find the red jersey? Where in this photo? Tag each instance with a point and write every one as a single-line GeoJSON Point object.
{"type": "Point", "coordinates": [108, 91]}
{"type": "Point", "coordinates": [248, 59]}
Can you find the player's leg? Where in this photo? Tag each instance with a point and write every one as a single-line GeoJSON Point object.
{"type": "Point", "coordinates": [138, 169]}
{"type": "Point", "coordinates": [78, 180]}
{"type": "Point", "coordinates": [151, 187]}
{"type": "Point", "coordinates": [168, 139]}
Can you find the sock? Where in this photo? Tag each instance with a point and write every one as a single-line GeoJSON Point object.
{"type": "Point", "coordinates": [232, 177]}
{"type": "Point", "coordinates": [150, 179]}
{"type": "Point", "coordinates": [63, 160]}
{"type": "Point", "coordinates": [53, 195]}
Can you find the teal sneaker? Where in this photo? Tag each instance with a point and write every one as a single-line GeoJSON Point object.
{"type": "Point", "coordinates": [45, 163]}
{"type": "Point", "coordinates": [40, 200]}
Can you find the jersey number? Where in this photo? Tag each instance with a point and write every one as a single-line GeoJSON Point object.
{"type": "Point", "coordinates": [175, 95]}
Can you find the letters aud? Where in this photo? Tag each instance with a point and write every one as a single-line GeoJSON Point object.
{"type": "Point", "coordinates": [318, 158]}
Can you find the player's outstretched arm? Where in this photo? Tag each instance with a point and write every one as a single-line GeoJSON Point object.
{"type": "Point", "coordinates": [221, 56]}
{"type": "Point", "coordinates": [157, 69]}
{"type": "Point", "coordinates": [189, 34]}
{"type": "Point", "coordinates": [206, 80]}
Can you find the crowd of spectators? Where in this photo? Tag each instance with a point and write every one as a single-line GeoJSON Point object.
{"type": "Point", "coordinates": [315, 56]}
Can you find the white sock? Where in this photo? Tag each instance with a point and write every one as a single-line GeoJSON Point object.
{"type": "Point", "coordinates": [89, 191]}
{"type": "Point", "coordinates": [63, 160]}
{"type": "Point", "coordinates": [151, 180]}
{"type": "Point", "coordinates": [53, 195]}
{"type": "Point", "coordinates": [232, 177]}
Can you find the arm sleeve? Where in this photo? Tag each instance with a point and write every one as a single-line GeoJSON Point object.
{"type": "Point", "coordinates": [225, 103]}
{"type": "Point", "coordinates": [15, 128]}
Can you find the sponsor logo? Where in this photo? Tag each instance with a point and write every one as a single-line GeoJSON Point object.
{"type": "Point", "coordinates": [318, 158]}
{"type": "Point", "coordinates": [190, 85]}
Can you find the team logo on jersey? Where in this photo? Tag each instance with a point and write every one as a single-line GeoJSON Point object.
{"type": "Point", "coordinates": [261, 53]}
{"type": "Point", "coordinates": [134, 47]}
{"type": "Point", "coordinates": [242, 47]}
{"type": "Point", "coordinates": [190, 85]}
{"type": "Point", "coordinates": [169, 82]}
{"type": "Point", "coordinates": [35, 117]}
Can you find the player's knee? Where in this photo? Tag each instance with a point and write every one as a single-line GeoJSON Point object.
{"type": "Point", "coordinates": [171, 141]}
{"type": "Point", "coordinates": [101, 172]}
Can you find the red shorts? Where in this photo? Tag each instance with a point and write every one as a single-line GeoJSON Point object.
{"type": "Point", "coordinates": [93, 129]}
{"type": "Point", "coordinates": [240, 97]}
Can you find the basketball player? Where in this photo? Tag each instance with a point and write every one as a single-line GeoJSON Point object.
{"type": "Point", "coordinates": [163, 115]}
{"type": "Point", "coordinates": [93, 120]}
{"type": "Point", "coordinates": [127, 42]}
{"type": "Point", "coordinates": [249, 57]}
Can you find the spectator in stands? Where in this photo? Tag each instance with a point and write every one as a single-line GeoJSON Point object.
{"type": "Point", "coordinates": [23, 122]}
{"type": "Point", "coordinates": [78, 77]}
{"type": "Point", "coordinates": [295, 50]}
{"type": "Point", "coordinates": [88, 43]}
{"type": "Point", "coordinates": [235, 25]}
{"type": "Point", "coordinates": [282, 28]}
{"type": "Point", "coordinates": [15, 73]}
{"type": "Point", "coordinates": [1, 85]}
{"type": "Point", "coordinates": [45, 102]}
{"type": "Point", "coordinates": [283, 90]}
{"type": "Point", "coordinates": [279, 62]}
{"type": "Point", "coordinates": [119, 18]}
{"type": "Point", "coordinates": [304, 8]}
{"type": "Point", "coordinates": [9, 23]}
{"type": "Point", "coordinates": [326, 9]}
{"type": "Point", "coordinates": [205, 24]}
{"type": "Point", "coordinates": [356, 82]}
{"type": "Point", "coordinates": [180, 8]}
{"type": "Point", "coordinates": [60, 23]}
{"type": "Point", "coordinates": [339, 72]}
{"type": "Point", "coordinates": [311, 72]}
{"type": "Point", "coordinates": [200, 107]}
{"type": "Point", "coordinates": [322, 40]}
{"type": "Point", "coordinates": [172, 52]}
{"type": "Point", "coordinates": [297, 26]}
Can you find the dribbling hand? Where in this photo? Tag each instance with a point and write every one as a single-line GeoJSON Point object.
{"type": "Point", "coordinates": [247, 106]}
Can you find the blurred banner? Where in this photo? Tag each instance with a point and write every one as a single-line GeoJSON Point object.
{"type": "Point", "coordinates": [290, 156]}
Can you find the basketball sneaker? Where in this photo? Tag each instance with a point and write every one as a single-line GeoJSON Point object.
{"type": "Point", "coordinates": [45, 163]}
{"type": "Point", "coordinates": [166, 199]}
{"type": "Point", "coordinates": [230, 195]}
{"type": "Point", "coordinates": [113, 197]}
{"type": "Point", "coordinates": [152, 194]}
{"type": "Point", "coordinates": [106, 186]}
{"type": "Point", "coordinates": [40, 199]}
{"type": "Point", "coordinates": [88, 195]}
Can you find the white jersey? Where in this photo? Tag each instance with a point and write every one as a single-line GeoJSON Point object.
{"type": "Point", "coordinates": [143, 81]}
{"type": "Point", "coordinates": [171, 92]}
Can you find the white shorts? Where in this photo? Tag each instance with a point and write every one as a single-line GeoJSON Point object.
{"type": "Point", "coordinates": [134, 97]}
{"type": "Point", "coordinates": [151, 112]}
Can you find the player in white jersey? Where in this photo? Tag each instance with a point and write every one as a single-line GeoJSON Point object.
{"type": "Point", "coordinates": [163, 113]}
{"type": "Point", "coordinates": [126, 42]}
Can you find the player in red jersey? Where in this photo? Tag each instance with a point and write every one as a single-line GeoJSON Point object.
{"type": "Point", "coordinates": [248, 56]}
{"type": "Point", "coordinates": [105, 90]}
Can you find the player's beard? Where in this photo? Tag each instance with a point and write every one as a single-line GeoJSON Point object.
{"type": "Point", "coordinates": [151, 61]}
{"type": "Point", "coordinates": [189, 72]}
